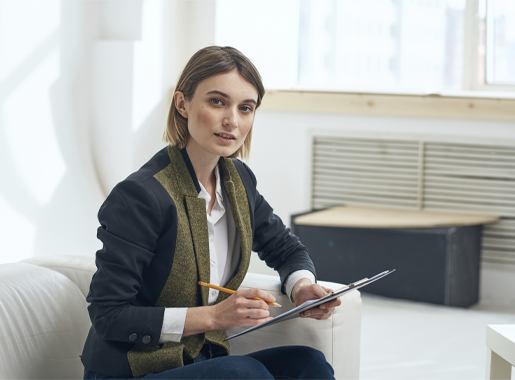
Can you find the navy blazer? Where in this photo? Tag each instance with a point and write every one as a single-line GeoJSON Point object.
{"type": "Point", "coordinates": [138, 228]}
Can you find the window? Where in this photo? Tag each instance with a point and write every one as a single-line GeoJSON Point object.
{"type": "Point", "coordinates": [498, 29]}
{"type": "Point", "coordinates": [391, 46]}
{"type": "Point", "coordinates": [410, 45]}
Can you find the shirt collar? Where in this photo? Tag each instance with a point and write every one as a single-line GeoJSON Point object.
{"type": "Point", "coordinates": [219, 201]}
{"type": "Point", "coordinates": [218, 186]}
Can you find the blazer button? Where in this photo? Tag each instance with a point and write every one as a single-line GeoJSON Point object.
{"type": "Point", "coordinates": [133, 337]}
{"type": "Point", "coordinates": [146, 339]}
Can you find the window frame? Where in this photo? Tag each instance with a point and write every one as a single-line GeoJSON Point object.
{"type": "Point", "coordinates": [470, 51]}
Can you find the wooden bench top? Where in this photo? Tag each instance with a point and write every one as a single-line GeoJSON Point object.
{"type": "Point", "coordinates": [377, 217]}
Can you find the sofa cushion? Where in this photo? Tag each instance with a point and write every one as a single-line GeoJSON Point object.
{"type": "Point", "coordinates": [44, 323]}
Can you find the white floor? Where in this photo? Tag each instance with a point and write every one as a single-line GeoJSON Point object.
{"type": "Point", "coordinates": [410, 340]}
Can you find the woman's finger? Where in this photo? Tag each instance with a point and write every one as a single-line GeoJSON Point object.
{"type": "Point", "coordinates": [318, 313]}
{"type": "Point", "coordinates": [255, 321]}
{"type": "Point", "coordinates": [255, 304]}
{"type": "Point", "coordinates": [328, 290]}
{"type": "Point", "coordinates": [331, 304]}
{"type": "Point", "coordinates": [257, 313]}
{"type": "Point", "coordinates": [252, 293]}
{"type": "Point", "coordinates": [318, 290]}
{"type": "Point", "coordinates": [328, 315]}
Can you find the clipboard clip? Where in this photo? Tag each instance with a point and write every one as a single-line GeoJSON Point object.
{"type": "Point", "coordinates": [352, 285]}
{"type": "Point", "coordinates": [357, 283]}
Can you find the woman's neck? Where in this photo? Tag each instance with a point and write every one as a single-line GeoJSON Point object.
{"type": "Point", "coordinates": [203, 165]}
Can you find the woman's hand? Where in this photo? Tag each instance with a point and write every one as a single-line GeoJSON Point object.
{"type": "Point", "coordinates": [304, 291]}
{"type": "Point", "coordinates": [239, 310]}
{"type": "Point", "coordinates": [236, 311]}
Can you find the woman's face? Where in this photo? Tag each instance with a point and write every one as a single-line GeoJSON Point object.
{"type": "Point", "coordinates": [220, 114]}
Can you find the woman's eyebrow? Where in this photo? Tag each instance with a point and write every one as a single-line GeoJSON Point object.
{"type": "Point", "coordinates": [228, 97]}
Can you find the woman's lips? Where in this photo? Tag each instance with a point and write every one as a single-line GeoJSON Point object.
{"type": "Point", "coordinates": [225, 138]}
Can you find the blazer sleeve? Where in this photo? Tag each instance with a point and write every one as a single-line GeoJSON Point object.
{"type": "Point", "coordinates": [130, 224]}
{"type": "Point", "coordinates": [273, 241]}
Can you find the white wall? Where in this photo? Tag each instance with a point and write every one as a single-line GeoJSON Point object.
{"type": "Point", "coordinates": [84, 89]}
{"type": "Point", "coordinates": [49, 189]}
{"type": "Point", "coordinates": [284, 137]}
{"type": "Point", "coordinates": [136, 62]}
{"type": "Point", "coordinates": [279, 158]}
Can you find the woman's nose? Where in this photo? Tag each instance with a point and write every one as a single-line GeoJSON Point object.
{"type": "Point", "coordinates": [231, 118]}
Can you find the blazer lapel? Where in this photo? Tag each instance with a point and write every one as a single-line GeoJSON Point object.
{"type": "Point", "coordinates": [240, 211]}
{"type": "Point", "coordinates": [196, 210]}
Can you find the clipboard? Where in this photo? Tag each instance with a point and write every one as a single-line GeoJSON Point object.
{"type": "Point", "coordinates": [295, 312]}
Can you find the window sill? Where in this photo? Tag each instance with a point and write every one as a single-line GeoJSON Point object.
{"type": "Point", "coordinates": [462, 105]}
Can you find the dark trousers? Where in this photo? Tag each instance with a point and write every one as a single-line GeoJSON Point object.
{"type": "Point", "coordinates": [289, 362]}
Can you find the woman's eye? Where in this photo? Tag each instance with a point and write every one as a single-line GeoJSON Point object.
{"type": "Point", "coordinates": [246, 109]}
{"type": "Point", "coordinates": [218, 102]}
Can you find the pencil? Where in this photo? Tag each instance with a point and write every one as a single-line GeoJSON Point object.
{"type": "Point", "coordinates": [230, 291]}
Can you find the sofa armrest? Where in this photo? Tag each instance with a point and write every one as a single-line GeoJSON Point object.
{"type": "Point", "coordinates": [43, 323]}
{"type": "Point", "coordinates": [338, 337]}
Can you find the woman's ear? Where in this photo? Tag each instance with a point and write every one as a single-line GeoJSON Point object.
{"type": "Point", "coordinates": [180, 103]}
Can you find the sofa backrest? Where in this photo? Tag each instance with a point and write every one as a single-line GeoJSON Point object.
{"type": "Point", "coordinates": [79, 269]}
{"type": "Point", "coordinates": [43, 317]}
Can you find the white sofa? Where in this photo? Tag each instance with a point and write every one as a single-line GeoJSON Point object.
{"type": "Point", "coordinates": [44, 321]}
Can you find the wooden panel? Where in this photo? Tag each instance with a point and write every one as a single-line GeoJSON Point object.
{"type": "Point", "coordinates": [374, 217]}
{"type": "Point", "coordinates": [428, 106]}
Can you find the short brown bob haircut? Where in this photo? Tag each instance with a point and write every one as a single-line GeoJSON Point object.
{"type": "Point", "coordinates": [204, 63]}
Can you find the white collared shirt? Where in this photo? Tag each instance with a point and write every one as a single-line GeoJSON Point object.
{"type": "Point", "coordinates": [224, 252]}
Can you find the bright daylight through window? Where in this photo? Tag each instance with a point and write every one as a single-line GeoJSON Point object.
{"type": "Point", "coordinates": [498, 31]}
{"type": "Point", "coordinates": [381, 45]}
{"type": "Point", "coordinates": [390, 46]}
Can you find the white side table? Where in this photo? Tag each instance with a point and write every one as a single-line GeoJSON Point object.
{"type": "Point", "coordinates": [500, 356]}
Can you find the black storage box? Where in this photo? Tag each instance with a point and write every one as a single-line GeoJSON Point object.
{"type": "Point", "coordinates": [437, 265]}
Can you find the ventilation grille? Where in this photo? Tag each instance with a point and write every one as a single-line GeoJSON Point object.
{"type": "Point", "coordinates": [467, 178]}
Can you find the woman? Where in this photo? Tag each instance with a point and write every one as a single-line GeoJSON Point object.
{"type": "Point", "coordinates": [192, 213]}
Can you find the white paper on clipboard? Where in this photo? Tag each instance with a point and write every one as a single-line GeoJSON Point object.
{"type": "Point", "coordinates": [295, 312]}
